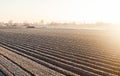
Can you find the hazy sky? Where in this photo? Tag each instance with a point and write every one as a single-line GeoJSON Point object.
{"type": "Point", "coordinates": [60, 10]}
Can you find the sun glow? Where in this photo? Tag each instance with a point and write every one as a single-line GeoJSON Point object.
{"type": "Point", "coordinates": [114, 39]}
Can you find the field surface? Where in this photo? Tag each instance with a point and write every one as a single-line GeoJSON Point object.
{"type": "Point", "coordinates": [59, 52]}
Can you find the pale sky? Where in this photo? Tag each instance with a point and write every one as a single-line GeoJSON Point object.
{"type": "Point", "coordinates": [60, 10]}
